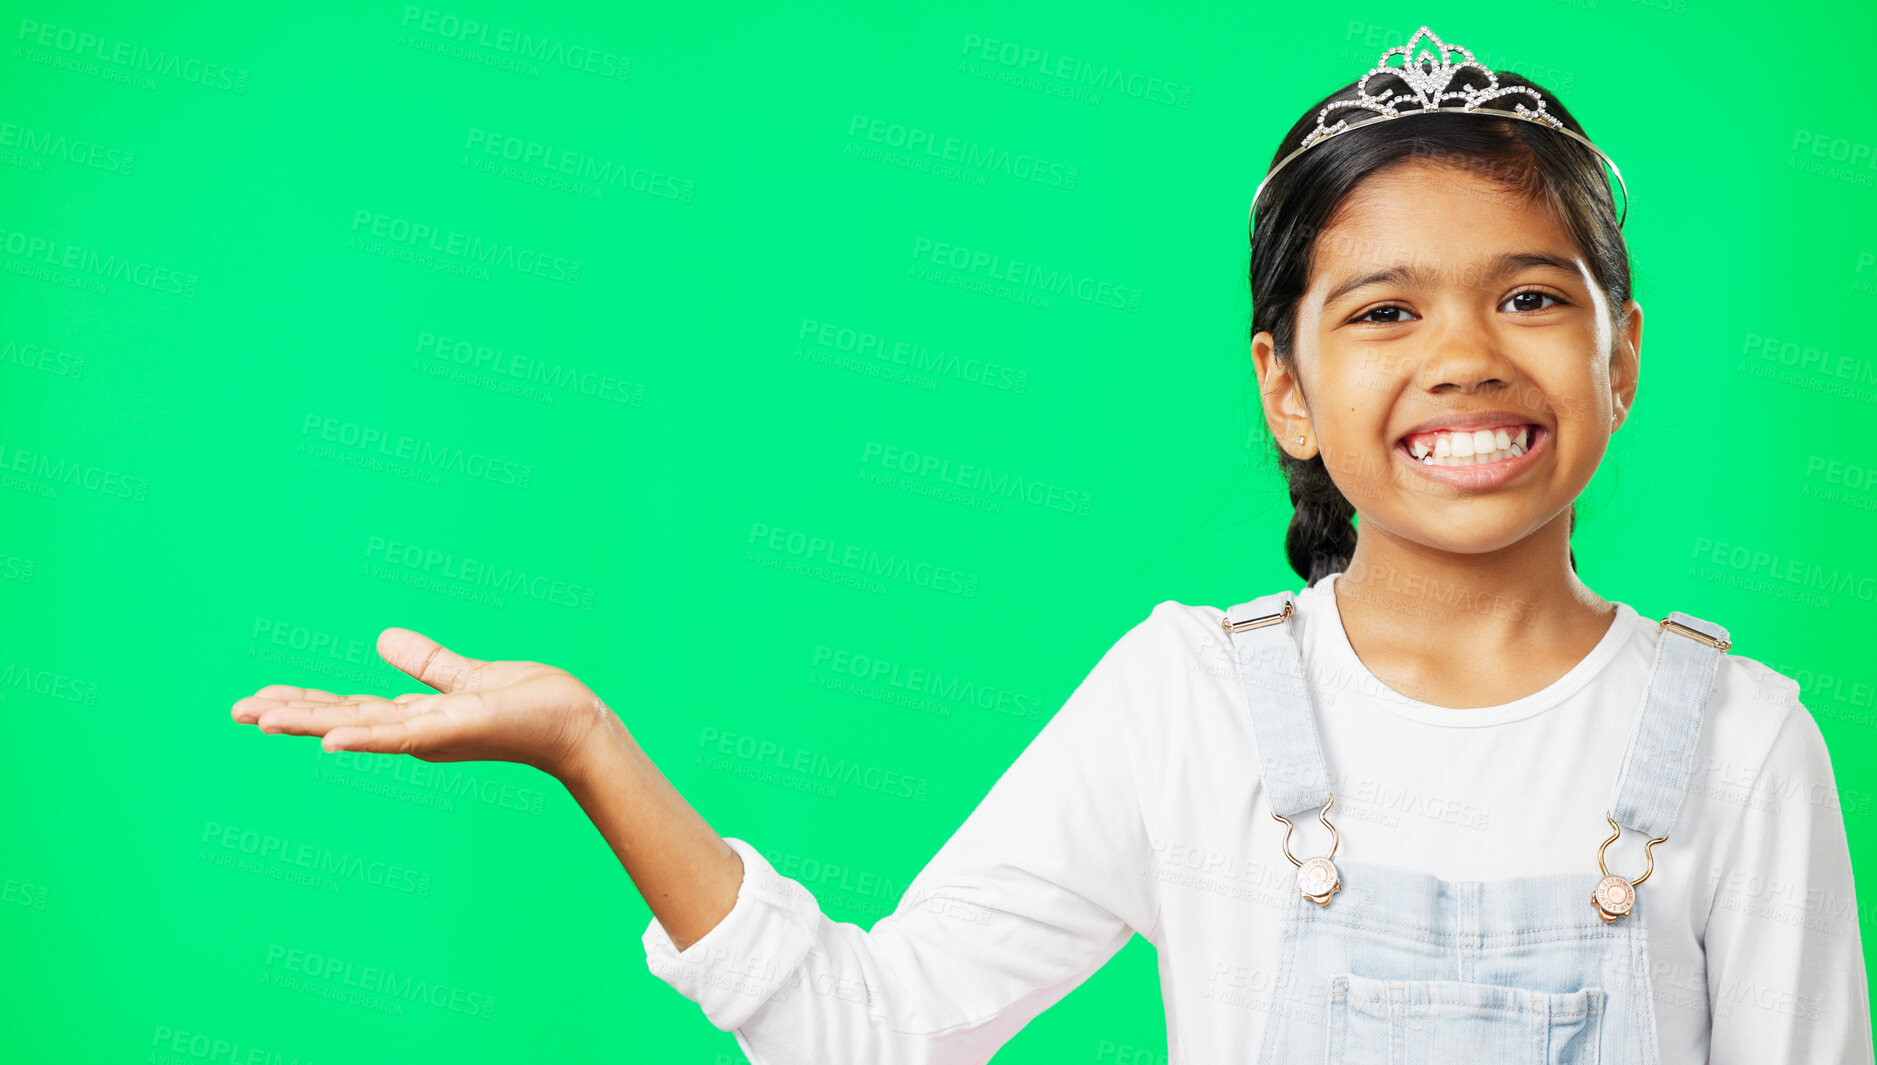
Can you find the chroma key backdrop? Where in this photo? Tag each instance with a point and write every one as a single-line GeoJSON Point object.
{"type": "Point", "coordinates": [826, 389]}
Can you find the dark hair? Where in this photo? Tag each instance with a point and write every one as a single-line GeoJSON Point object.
{"type": "Point", "coordinates": [1550, 169]}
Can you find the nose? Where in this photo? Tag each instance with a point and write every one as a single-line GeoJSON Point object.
{"type": "Point", "coordinates": [1464, 355]}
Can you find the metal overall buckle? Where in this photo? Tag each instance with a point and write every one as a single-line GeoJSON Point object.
{"type": "Point", "coordinates": [1615, 896]}
{"type": "Point", "coordinates": [1316, 878]}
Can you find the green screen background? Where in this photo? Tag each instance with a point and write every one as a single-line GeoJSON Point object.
{"type": "Point", "coordinates": [234, 460]}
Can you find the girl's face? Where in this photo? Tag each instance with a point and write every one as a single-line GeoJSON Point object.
{"type": "Point", "coordinates": [1437, 297]}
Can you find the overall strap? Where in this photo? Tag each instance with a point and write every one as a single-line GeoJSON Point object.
{"type": "Point", "coordinates": [1272, 672]}
{"type": "Point", "coordinates": [1661, 753]}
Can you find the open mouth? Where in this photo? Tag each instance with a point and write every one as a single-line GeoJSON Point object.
{"type": "Point", "coordinates": [1470, 447]}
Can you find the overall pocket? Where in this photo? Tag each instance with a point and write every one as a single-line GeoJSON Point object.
{"type": "Point", "coordinates": [1452, 1022]}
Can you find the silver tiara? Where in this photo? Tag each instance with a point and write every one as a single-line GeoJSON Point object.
{"type": "Point", "coordinates": [1429, 81]}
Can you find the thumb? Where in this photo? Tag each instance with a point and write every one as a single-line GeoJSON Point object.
{"type": "Point", "coordinates": [426, 659]}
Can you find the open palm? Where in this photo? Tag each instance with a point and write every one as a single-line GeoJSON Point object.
{"type": "Point", "coordinates": [495, 711]}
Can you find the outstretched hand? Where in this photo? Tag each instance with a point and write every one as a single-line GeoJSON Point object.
{"type": "Point", "coordinates": [488, 711]}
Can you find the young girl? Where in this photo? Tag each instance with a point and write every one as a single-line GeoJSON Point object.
{"type": "Point", "coordinates": [1444, 804]}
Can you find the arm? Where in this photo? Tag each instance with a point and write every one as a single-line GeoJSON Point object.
{"type": "Point", "coordinates": [1039, 887]}
{"type": "Point", "coordinates": [1043, 883]}
{"type": "Point", "coordinates": [686, 873]}
{"type": "Point", "coordinates": [1786, 980]}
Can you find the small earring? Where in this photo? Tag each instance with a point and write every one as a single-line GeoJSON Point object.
{"type": "Point", "coordinates": [1300, 441]}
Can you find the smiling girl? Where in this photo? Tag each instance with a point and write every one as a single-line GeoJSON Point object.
{"type": "Point", "coordinates": [1443, 804]}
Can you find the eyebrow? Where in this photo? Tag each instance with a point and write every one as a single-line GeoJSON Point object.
{"type": "Point", "coordinates": [1496, 267]}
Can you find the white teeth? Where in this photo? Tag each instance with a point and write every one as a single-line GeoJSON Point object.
{"type": "Point", "coordinates": [1471, 448]}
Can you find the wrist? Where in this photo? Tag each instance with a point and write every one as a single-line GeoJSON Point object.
{"type": "Point", "coordinates": [601, 752]}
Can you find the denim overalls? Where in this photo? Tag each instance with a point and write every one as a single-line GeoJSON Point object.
{"type": "Point", "coordinates": [1384, 965]}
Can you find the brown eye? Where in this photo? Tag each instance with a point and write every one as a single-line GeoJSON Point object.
{"type": "Point", "coordinates": [1385, 309]}
{"type": "Point", "coordinates": [1531, 298]}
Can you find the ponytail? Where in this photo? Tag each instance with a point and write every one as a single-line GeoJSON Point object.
{"type": "Point", "coordinates": [1322, 535]}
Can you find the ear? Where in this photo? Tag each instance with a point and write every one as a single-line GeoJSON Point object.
{"type": "Point", "coordinates": [1281, 395]}
{"type": "Point", "coordinates": [1626, 364]}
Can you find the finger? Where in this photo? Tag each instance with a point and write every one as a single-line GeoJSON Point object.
{"type": "Point", "coordinates": [301, 717]}
{"type": "Point", "coordinates": [288, 691]}
{"type": "Point", "coordinates": [426, 659]}
{"type": "Point", "coordinates": [410, 736]}
{"type": "Point", "coordinates": [246, 709]}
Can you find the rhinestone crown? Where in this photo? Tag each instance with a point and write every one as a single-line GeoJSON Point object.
{"type": "Point", "coordinates": [1432, 82]}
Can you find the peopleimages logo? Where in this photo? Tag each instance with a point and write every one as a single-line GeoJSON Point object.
{"type": "Point", "coordinates": [170, 1045]}
{"type": "Point", "coordinates": [41, 144]}
{"type": "Point", "coordinates": [445, 27]}
{"type": "Point", "coordinates": [1026, 277]}
{"type": "Point", "coordinates": [371, 979]}
{"type": "Point", "coordinates": [859, 561]}
{"type": "Point", "coordinates": [43, 473]}
{"type": "Point", "coordinates": [936, 684]}
{"type": "Point", "coordinates": [531, 369]}
{"type": "Point", "coordinates": [376, 443]}
{"type": "Point", "coordinates": [967, 153]}
{"type": "Point", "coordinates": [311, 858]}
{"type": "Point", "coordinates": [17, 677]}
{"type": "Point", "coordinates": [465, 247]}
{"type": "Point", "coordinates": [1072, 71]}
{"type": "Point", "coordinates": [82, 44]}
{"type": "Point", "coordinates": [508, 579]}
{"type": "Point", "coordinates": [91, 264]}
{"type": "Point", "coordinates": [964, 475]}
{"type": "Point", "coordinates": [550, 159]}
{"type": "Point", "coordinates": [871, 348]}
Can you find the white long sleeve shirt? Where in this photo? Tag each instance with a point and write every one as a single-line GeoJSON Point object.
{"type": "Point", "coordinates": [1137, 808]}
